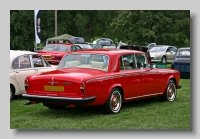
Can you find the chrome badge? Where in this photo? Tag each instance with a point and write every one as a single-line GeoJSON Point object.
{"type": "Point", "coordinates": [52, 83]}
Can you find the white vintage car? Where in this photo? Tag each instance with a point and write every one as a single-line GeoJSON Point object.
{"type": "Point", "coordinates": [22, 64]}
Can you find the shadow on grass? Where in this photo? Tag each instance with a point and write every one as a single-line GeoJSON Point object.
{"type": "Point", "coordinates": [89, 111]}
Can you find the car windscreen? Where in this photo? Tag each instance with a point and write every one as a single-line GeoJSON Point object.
{"type": "Point", "coordinates": [85, 60]}
{"type": "Point", "coordinates": [183, 53]}
{"type": "Point", "coordinates": [158, 49]}
{"type": "Point", "coordinates": [56, 47]}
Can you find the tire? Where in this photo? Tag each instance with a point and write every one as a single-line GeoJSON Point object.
{"type": "Point", "coordinates": [114, 102]}
{"type": "Point", "coordinates": [164, 59]}
{"type": "Point", "coordinates": [170, 92]}
{"type": "Point", "coordinates": [12, 93]}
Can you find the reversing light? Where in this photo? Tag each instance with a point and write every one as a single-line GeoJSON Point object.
{"type": "Point", "coordinates": [82, 88]}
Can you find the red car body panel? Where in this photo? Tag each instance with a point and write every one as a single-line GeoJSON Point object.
{"type": "Point", "coordinates": [134, 84]}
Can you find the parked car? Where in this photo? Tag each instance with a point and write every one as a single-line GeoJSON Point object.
{"type": "Point", "coordinates": [53, 53]}
{"type": "Point", "coordinates": [135, 47]}
{"type": "Point", "coordinates": [22, 64]}
{"type": "Point", "coordinates": [105, 46]}
{"type": "Point", "coordinates": [151, 45]}
{"type": "Point", "coordinates": [84, 45]}
{"type": "Point", "coordinates": [106, 77]}
{"type": "Point", "coordinates": [162, 53]}
{"type": "Point", "coordinates": [103, 40]}
{"type": "Point", "coordinates": [182, 62]}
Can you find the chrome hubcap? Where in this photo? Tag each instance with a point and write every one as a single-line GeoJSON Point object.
{"type": "Point", "coordinates": [164, 60]}
{"type": "Point", "coordinates": [171, 92]}
{"type": "Point", "coordinates": [115, 102]}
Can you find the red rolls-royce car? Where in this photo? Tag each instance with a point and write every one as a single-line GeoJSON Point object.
{"type": "Point", "coordinates": [104, 77]}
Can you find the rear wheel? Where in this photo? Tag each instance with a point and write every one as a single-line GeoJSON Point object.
{"type": "Point", "coordinates": [12, 93]}
{"type": "Point", "coordinates": [170, 92]}
{"type": "Point", "coordinates": [114, 102]}
{"type": "Point", "coordinates": [164, 59]}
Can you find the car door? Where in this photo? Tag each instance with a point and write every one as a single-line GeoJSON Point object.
{"type": "Point", "coordinates": [25, 69]}
{"type": "Point", "coordinates": [40, 64]}
{"type": "Point", "coordinates": [170, 54]}
{"type": "Point", "coordinates": [130, 78]}
{"type": "Point", "coordinates": [149, 82]}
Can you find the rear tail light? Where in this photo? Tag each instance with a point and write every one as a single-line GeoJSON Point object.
{"type": "Point", "coordinates": [82, 88]}
{"type": "Point", "coordinates": [26, 84]}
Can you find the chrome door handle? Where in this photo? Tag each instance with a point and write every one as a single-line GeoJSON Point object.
{"type": "Point", "coordinates": [124, 74]}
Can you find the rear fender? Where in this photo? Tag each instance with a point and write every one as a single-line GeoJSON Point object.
{"type": "Point", "coordinates": [110, 88]}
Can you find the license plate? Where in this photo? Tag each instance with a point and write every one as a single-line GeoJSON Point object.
{"type": "Point", "coordinates": [54, 88]}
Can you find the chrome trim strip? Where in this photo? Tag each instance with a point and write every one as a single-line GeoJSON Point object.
{"type": "Point", "coordinates": [113, 76]}
{"type": "Point", "coordinates": [143, 96]}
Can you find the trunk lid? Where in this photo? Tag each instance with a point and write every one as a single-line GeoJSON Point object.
{"type": "Point", "coordinates": [64, 82]}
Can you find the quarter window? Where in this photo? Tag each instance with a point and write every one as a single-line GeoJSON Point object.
{"type": "Point", "coordinates": [15, 63]}
{"type": "Point", "coordinates": [24, 62]}
{"type": "Point", "coordinates": [142, 61]}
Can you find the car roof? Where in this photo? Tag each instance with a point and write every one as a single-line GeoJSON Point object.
{"type": "Point", "coordinates": [16, 53]}
{"type": "Point", "coordinates": [164, 45]}
{"type": "Point", "coordinates": [184, 48]}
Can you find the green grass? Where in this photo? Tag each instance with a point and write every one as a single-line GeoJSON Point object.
{"type": "Point", "coordinates": [143, 114]}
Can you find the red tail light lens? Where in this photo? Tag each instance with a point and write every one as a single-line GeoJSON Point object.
{"type": "Point", "coordinates": [82, 88]}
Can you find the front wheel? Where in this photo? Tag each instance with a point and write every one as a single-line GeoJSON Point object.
{"type": "Point", "coordinates": [170, 92]}
{"type": "Point", "coordinates": [114, 102]}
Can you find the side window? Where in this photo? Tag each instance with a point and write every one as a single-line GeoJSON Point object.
{"type": "Point", "coordinates": [38, 61]}
{"type": "Point", "coordinates": [78, 47]}
{"type": "Point", "coordinates": [15, 63]}
{"type": "Point", "coordinates": [73, 48]}
{"type": "Point", "coordinates": [64, 48]}
{"type": "Point", "coordinates": [24, 62]}
{"type": "Point", "coordinates": [127, 62]}
{"type": "Point", "coordinates": [169, 49]}
{"type": "Point", "coordinates": [142, 61]}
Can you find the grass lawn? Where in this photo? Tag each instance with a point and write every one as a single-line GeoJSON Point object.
{"type": "Point", "coordinates": [143, 114]}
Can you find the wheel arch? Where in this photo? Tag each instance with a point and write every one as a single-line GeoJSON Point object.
{"type": "Point", "coordinates": [118, 86]}
{"type": "Point", "coordinates": [15, 86]}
